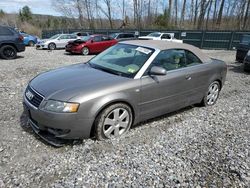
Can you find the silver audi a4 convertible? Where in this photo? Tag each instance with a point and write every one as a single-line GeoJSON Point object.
{"type": "Point", "coordinates": [128, 83]}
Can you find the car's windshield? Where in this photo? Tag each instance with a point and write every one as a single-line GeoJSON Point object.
{"type": "Point", "coordinates": [85, 38]}
{"type": "Point", "coordinates": [113, 35]}
{"type": "Point", "coordinates": [55, 36]}
{"type": "Point", "coordinates": [122, 59]}
{"type": "Point", "coordinates": [154, 34]}
{"type": "Point", "coordinates": [245, 39]}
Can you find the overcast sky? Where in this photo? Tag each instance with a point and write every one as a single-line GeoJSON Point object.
{"type": "Point", "coordinates": [37, 6]}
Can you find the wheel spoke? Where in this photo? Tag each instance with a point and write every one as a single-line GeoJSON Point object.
{"type": "Point", "coordinates": [109, 122]}
{"type": "Point", "coordinates": [109, 131]}
{"type": "Point", "coordinates": [123, 115]}
{"type": "Point", "coordinates": [123, 124]}
{"type": "Point", "coordinates": [117, 130]}
{"type": "Point", "coordinates": [116, 114]}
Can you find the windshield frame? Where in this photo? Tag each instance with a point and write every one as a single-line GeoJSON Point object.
{"type": "Point", "coordinates": [119, 73]}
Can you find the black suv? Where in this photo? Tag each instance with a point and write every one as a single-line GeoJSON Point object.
{"type": "Point", "coordinates": [11, 42]}
{"type": "Point", "coordinates": [243, 48]}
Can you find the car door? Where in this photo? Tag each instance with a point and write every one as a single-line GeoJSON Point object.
{"type": "Point", "coordinates": [199, 74]}
{"type": "Point", "coordinates": [61, 41]}
{"type": "Point", "coordinates": [106, 42]}
{"type": "Point", "coordinates": [95, 44]}
{"type": "Point", "coordinates": [163, 94]}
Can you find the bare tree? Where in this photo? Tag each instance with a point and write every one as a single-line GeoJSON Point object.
{"type": "Point", "coordinates": [246, 15]}
{"type": "Point", "coordinates": [107, 11]}
{"type": "Point", "coordinates": [208, 12]}
{"type": "Point", "coordinates": [183, 12]}
{"type": "Point", "coordinates": [218, 22]}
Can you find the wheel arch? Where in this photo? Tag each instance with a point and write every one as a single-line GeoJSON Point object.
{"type": "Point", "coordinates": [10, 44]}
{"type": "Point", "coordinates": [106, 105]}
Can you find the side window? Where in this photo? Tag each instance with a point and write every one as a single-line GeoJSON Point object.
{"type": "Point", "coordinates": [97, 39]}
{"type": "Point", "coordinates": [63, 37]}
{"type": "Point", "coordinates": [170, 59]}
{"type": "Point", "coordinates": [166, 36]}
{"type": "Point", "coordinates": [72, 37]}
{"type": "Point", "coordinates": [192, 59]}
{"type": "Point", "coordinates": [105, 38]}
{"type": "Point", "coordinates": [5, 31]}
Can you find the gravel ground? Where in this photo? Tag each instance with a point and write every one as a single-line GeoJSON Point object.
{"type": "Point", "coordinates": [194, 147]}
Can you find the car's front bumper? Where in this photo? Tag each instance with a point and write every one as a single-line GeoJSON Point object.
{"type": "Point", "coordinates": [51, 126]}
{"type": "Point", "coordinates": [41, 46]}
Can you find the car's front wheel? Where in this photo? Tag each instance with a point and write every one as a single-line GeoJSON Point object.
{"type": "Point", "coordinates": [113, 122]}
{"type": "Point", "coordinates": [31, 43]}
{"type": "Point", "coordinates": [8, 52]}
{"type": "Point", "coordinates": [212, 94]}
{"type": "Point", "coordinates": [52, 46]}
{"type": "Point", "coordinates": [85, 51]}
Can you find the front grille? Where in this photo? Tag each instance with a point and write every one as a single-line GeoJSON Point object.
{"type": "Point", "coordinates": [35, 99]}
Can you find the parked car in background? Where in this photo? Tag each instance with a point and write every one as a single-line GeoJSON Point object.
{"type": "Point", "coordinates": [123, 36]}
{"type": "Point", "coordinates": [11, 42]}
{"type": "Point", "coordinates": [161, 36]}
{"type": "Point", "coordinates": [58, 41]}
{"type": "Point", "coordinates": [128, 83]}
{"type": "Point", "coordinates": [90, 44]}
{"type": "Point", "coordinates": [80, 34]}
{"type": "Point", "coordinates": [243, 48]}
{"type": "Point", "coordinates": [247, 62]}
{"type": "Point", "coordinates": [29, 40]}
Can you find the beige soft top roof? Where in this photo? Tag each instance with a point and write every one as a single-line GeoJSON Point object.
{"type": "Point", "coordinates": [165, 45]}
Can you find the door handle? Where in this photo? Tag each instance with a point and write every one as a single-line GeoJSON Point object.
{"type": "Point", "coordinates": [188, 77]}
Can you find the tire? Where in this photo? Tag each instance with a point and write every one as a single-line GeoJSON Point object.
{"type": "Point", "coordinates": [31, 43]}
{"type": "Point", "coordinates": [212, 94]}
{"type": "Point", "coordinates": [8, 52]}
{"type": "Point", "coordinates": [52, 46]}
{"type": "Point", "coordinates": [114, 121]}
{"type": "Point", "coordinates": [85, 51]}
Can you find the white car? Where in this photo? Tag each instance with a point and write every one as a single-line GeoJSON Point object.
{"type": "Point", "coordinates": [161, 36]}
{"type": "Point", "coordinates": [56, 41]}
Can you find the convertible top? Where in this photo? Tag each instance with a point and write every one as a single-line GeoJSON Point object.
{"type": "Point", "coordinates": [165, 45]}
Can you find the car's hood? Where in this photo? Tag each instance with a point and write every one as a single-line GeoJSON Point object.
{"type": "Point", "coordinates": [68, 82]}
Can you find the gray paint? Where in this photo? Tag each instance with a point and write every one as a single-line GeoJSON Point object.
{"type": "Point", "coordinates": [148, 96]}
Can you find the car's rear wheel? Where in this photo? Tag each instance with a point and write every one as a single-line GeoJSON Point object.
{"type": "Point", "coordinates": [85, 51]}
{"type": "Point", "coordinates": [113, 122]}
{"type": "Point", "coordinates": [31, 43]}
{"type": "Point", "coordinates": [212, 94]}
{"type": "Point", "coordinates": [8, 52]}
{"type": "Point", "coordinates": [52, 46]}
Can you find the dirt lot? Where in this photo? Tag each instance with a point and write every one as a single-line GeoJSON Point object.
{"type": "Point", "coordinates": [197, 146]}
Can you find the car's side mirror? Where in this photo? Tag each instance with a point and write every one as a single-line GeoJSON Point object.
{"type": "Point", "coordinates": [157, 71]}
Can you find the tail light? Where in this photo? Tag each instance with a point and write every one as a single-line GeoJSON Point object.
{"type": "Point", "coordinates": [20, 37]}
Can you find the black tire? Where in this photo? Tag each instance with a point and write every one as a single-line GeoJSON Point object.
{"type": "Point", "coordinates": [31, 43]}
{"type": "Point", "coordinates": [209, 101]}
{"type": "Point", "coordinates": [52, 46]}
{"type": "Point", "coordinates": [85, 51]}
{"type": "Point", "coordinates": [8, 52]}
{"type": "Point", "coordinates": [100, 125]}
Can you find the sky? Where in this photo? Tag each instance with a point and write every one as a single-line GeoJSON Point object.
{"type": "Point", "coordinates": [37, 6]}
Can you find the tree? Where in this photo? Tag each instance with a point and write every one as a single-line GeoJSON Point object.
{"type": "Point", "coordinates": [2, 13]}
{"type": "Point", "coordinates": [25, 14]}
{"type": "Point", "coordinates": [218, 22]}
{"type": "Point", "coordinates": [183, 12]}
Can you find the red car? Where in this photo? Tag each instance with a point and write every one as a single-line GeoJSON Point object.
{"type": "Point", "coordinates": [90, 44]}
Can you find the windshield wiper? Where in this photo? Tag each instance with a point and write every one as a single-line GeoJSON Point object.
{"type": "Point", "coordinates": [106, 69]}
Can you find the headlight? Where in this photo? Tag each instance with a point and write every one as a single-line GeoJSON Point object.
{"type": "Point", "coordinates": [248, 53]}
{"type": "Point", "coordinates": [58, 106]}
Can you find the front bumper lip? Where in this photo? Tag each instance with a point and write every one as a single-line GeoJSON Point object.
{"type": "Point", "coordinates": [52, 126]}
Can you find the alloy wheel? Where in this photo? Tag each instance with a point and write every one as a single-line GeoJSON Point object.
{"type": "Point", "coordinates": [116, 123]}
{"type": "Point", "coordinates": [213, 93]}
